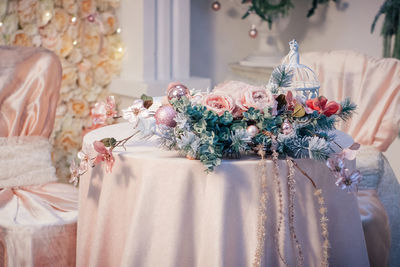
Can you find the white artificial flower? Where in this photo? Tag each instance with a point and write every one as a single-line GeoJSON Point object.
{"type": "Point", "coordinates": [85, 156]}
{"type": "Point", "coordinates": [135, 112]}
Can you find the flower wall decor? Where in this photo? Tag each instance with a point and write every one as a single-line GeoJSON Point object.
{"type": "Point", "coordinates": [86, 36]}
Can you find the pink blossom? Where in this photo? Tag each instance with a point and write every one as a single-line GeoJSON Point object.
{"type": "Point", "coordinates": [349, 181]}
{"type": "Point", "coordinates": [219, 103]}
{"type": "Point", "coordinates": [104, 154]}
{"type": "Point", "coordinates": [290, 100]}
{"type": "Point", "coordinates": [350, 153]}
{"type": "Point", "coordinates": [102, 111]}
{"type": "Point", "coordinates": [85, 156]}
{"type": "Point", "coordinates": [336, 163]}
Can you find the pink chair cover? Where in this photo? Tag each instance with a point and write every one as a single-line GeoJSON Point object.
{"type": "Point", "coordinates": [374, 85]}
{"type": "Point", "coordinates": [37, 216]}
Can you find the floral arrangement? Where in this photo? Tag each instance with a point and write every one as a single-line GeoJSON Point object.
{"type": "Point", "coordinates": [86, 37]}
{"type": "Point", "coordinates": [237, 118]}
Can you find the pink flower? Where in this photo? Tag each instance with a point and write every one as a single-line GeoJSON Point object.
{"type": "Point", "coordinates": [348, 181]}
{"type": "Point", "coordinates": [290, 100]}
{"type": "Point", "coordinates": [256, 97]}
{"type": "Point", "coordinates": [103, 155]}
{"type": "Point", "coordinates": [219, 103]}
{"type": "Point", "coordinates": [336, 163]}
{"type": "Point", "coordinates": [102, 111]}
{"type": "Point", "coordinates": [350, 153]}
{"type": "Point", "coordinates": [85, 156]}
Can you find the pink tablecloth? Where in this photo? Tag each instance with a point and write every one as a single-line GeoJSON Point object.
{"type": "Point", "coordinates": [158, 209]}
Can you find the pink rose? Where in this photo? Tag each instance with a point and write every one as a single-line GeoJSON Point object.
{"type": "Point", "coordinates": [219, 103]}
{"type": "Point", "coordinates": [255, 97]}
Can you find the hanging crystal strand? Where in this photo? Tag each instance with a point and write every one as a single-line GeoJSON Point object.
{"type": "Point", "coordinates": [324, 227]}
{"type": "Point", "coordinates": [280, 198]}
{"type": "Point", "coordinates": [292, 191]}
{"type": "Point", "coordinates": [262, 211]}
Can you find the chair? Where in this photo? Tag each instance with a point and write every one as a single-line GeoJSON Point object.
{"type": "Point", "coordinates": [37, 215]}
{"type": "Point", "coordinates": [374, 85]}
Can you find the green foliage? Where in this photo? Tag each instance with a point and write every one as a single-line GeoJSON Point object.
{"type": "Point", "coordinates": [348, 108]}
{"type": "Point", "coordinates": [269, 10]}
{"type": "Point", "coordinates": [147, 100]}
{"type": "Point", "coordinates": [206, 136]}
{"type": "Point", "coordinates": [390, 28]}
{"type": "Point", "coordinates": [314, 6]}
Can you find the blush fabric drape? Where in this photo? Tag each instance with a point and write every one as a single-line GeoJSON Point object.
{"type": "Point", "coordinates": [37, 215]}
{"type": "Point", "coordinates": [374, 85]}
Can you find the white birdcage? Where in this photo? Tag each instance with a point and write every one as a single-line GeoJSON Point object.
{"type": "Point", "coordinates": [304, 82]}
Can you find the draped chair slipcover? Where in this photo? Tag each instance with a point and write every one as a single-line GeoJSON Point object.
{"type": "Point", "coordinates": [37, 215]}
{"type": "Point", "coordinates": [374, 85]}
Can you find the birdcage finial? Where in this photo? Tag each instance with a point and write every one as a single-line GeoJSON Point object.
{"type": "Point", "coordinates": [294, 57]}
{"type": "Point", "coordinates": [303, 80]}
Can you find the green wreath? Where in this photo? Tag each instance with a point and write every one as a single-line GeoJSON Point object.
{"type": "Point", "coordinates": [268, 12]}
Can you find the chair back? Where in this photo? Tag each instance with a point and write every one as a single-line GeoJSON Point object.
{"type": "Point", "coordinates": [372, 83]}
{"type": "Point", "coordinates": [30, 80]}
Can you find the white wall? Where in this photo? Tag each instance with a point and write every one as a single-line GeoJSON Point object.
{"type": "Point", "coordinates": [220, 38]}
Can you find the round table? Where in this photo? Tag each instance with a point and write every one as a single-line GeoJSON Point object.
{"type": "Point", "coordinates": [158, 208]}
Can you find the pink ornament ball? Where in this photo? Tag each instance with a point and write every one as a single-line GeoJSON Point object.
{"type": "Point", "coordinates": [253, 33]}
{"type": "Point", "coordinates": [165, 115]}
{"type": "Point", "coordinates": [90, 18]}
{"type": "Point", "coordinates": [177, 90]}
{"type": "Point", "coordinates": [216, 6]}
{"type": "Point", "coordinates": [287, 128]}
{"type": "Point", "coordinates": [252, 130]}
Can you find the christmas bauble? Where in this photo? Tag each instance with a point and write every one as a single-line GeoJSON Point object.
{"type": "Point", "coordinates": [287, 127]}
{"type": "Point", "coordinates": [253, 32]}
{"type": "Point", "coordinates": [165, 115]}
{"type": "Point", "coordinates": [252, 130]}
{"type": "Point", "coordinates": [177, 90]}
{"type": "Point", "coordinates": [90, 18]}
{"type": "Point", "coordinates": [216, 6]}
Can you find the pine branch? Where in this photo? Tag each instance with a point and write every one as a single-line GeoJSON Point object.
{"type": "Point", "coordinates": [348, 109]}
{"type": "Point", "coordinates": [325, 123]}
{"type": "Point", "coordinates": [282, 76]}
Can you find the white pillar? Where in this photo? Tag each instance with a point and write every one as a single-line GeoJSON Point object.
{"type": "Point", "coordinates": [156, 35]}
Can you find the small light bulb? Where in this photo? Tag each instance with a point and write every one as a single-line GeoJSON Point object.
{"type": "Point", "coordinates": [75, 42]}
{"type": "Point", "coordinates": [47, 14]}
{"type": "Point", "coordinates": [1, 24]}
{"type": "Point", "coordinates": [119, 30]}
{"type": "Point", "coordinates": [120, 49]}
{"type": "Point", "coordinates": [73, 19]}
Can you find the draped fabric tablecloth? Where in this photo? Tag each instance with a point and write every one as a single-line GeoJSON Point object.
{"type": "Point", "coordinates": [159, 209]}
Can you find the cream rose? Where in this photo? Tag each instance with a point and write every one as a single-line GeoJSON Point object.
{"type": "Point", "coordinates": [219, 103]}
{"type": "Point", "coordinates": [110, 22]}
{"type": "Point", "coordinates": [255, 97]}
{"type": "Point", "coordinates": [20, 38]}
{"type": "Point", "coordinates": [79, 107]}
